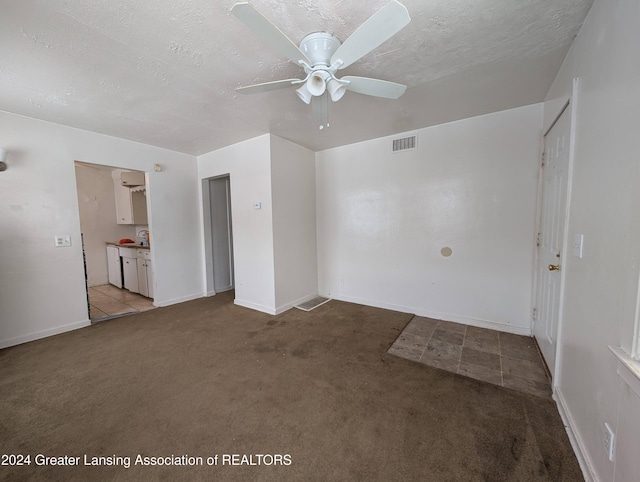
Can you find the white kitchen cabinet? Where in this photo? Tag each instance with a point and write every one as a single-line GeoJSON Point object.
{"type": "Point", "coordinates": [145, 273]}
{"type": "Point", "coordinates": [114, 266]}
{"type": "Point", "coordinates": [124, 213]}
{"type": "Point", "coordinates": [131, 203]}
{"type": "Point", "coordinates": [130, 269]}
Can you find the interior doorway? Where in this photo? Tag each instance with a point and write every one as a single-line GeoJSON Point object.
{"type": "Point", "coordinates": [551, 237]}
{"type": "Point", "coordinates": [113, 214]}
{"type": "Point", "coordinates": [221, 247]}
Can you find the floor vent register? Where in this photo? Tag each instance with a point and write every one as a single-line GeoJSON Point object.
{"type": "Point", "coordinates": [312, 303]}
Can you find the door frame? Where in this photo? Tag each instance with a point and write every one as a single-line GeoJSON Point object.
{"type": "Point", "coordinates": [96, 165]}
{"type": "Point", "coordinates": [208, 237]}
{"type": "Point", "coordinates": [570, 106]}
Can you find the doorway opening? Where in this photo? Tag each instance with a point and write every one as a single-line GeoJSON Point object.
{"type": "Point", "coordinates": [116, 246]}
{"type": "Point", "coordinates": [218, 234]}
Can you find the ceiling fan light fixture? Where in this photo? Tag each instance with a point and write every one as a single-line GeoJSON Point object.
{"type": "Point", "coordinates": [304, 94]}
{"type": "Point", "coordinates": [321, 55]}
{"type": "Point", "coordinates": [317, 82]}
{"type": "Point", "coordinates": [336, 89]}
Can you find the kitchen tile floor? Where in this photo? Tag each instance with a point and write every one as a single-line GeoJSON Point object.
{"type": "Point", "coordinates": [106, 301]}
{"type": "Point", "coordinates": [504, 359]}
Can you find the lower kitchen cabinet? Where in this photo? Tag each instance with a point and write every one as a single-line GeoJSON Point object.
{"type": "Point", "coordinates": [114, 266]}
{"type": "Point", "coordinates": [145, 276]}
{"type": "Point", "coordinates": [130, 268]}
{"type": "Point", "coordinates": [130, 274]}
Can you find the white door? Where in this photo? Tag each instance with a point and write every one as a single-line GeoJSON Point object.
{"type": "Point", "coordinates": [552, 228]}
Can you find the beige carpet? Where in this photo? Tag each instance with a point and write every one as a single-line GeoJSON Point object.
{"type": "Point", "coordinates": [208, 378]}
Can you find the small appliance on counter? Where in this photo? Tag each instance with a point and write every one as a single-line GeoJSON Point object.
{"type": "Point", "coordinates": [146, 237]}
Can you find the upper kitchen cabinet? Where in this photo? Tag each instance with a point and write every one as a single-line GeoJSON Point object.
{"type": "Point", "coordinates": [131, 199]}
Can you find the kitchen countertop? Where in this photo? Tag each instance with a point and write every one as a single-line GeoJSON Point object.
{"type": "Point", "coordinates": [127, 245]}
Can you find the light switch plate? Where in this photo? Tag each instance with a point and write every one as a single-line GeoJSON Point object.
{"type": "Point", "coordinates": [63, 241]}
{"type": "Point", "coordinates": [609, 441]}
{"type": "Point", "coordinates": [257, 205]}
{"type": "Point", "coordinates": [578, 242]}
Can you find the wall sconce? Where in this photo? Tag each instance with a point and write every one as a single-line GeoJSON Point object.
{"type": "Point", "coordinates": [3, 157]}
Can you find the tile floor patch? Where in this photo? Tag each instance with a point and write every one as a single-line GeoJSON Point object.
{"type": "Point", "coordinates": [517, 368]}
{"type": "Point", "coordinates": [483, 344]}
{"type": "Point", "coordinates": [106, 301]}
{"type": "Point", "coordinates": [480, 373]}
{"type": "Point", "coordinates": [413, 354]}
{"type": "Point", "coordinates": [481, 358]}
{"type": "Point", "coordinates": [504, 359]}
{"type": "Point", "coordinates": [451, 326]}
{"type": "Point", "coordinates": [448, 336]}
{"type": "Point", "coordinates": [421, 326]}
{"type": "Point", "coordinates": [443, 349]}
{"type": "Point", "coordinates": [412, 341]}
{"type": "Point", "coordinates": [449, 364]}
{"type": "Point", "coordinates": [542, 389]}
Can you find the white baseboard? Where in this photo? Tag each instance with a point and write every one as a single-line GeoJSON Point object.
{"type": "Point", "coordinates": [211, 293]}
{"type": "Point", "coordinates": [43, 334]}
{"type": "Point", "coordinates": [181, 299]}
{"type": "Point", "coordinates": [255, 306]}
{"type": "Point", "coordinates": [273, 311]}
{"type": "Point", "coordinates": [493, 325]}
{"type": "Point", "coordinates": [288, 306]}
{"type": "Point", "coordinates": [574, 437]}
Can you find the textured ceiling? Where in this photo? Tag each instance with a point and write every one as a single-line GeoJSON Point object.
{"type": "Point", "coordinates": [163, 72]}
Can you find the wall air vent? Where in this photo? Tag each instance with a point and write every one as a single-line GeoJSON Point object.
{"type": "Point", "coordinates": [404, 144]}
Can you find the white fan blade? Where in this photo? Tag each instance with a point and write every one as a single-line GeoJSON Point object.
{"type": "Point", "coordinates": [268, 32]}
{"type": "Point", "coordinates": [267, 86]}
{"type": "Point", "coordinates": [380, 27]}
{"type": "Point", "coordinates": [375, 87]}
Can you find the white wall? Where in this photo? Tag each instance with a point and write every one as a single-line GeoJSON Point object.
{"type": "Point", "coordinates": [471, 185]}
{"type": "Point", "coordinates": [293, 190]}
{"type": "Point", "coordinates": [38, 200]}
{"type": "Point", "coordinates": [97, 207]}
{"type": "Point", "coordinates": [274, 247]}
{"type": "Point", "coordinates": [249, 167]}
{"type": "Point", "coordinates": [601, 288]}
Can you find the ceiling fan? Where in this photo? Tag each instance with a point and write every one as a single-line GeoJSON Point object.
{"type": "Point", "coordinates": [322, 55]}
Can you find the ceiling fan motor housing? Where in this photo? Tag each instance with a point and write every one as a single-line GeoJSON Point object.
{"type": "Point", "coordinates": [319, 47]}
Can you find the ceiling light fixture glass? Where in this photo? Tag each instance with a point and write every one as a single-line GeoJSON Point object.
{"type": "Point", "coordinates": [336, 89]}
{"type": "Point", "coordinates": [304, 94]}
{"type": "Point", "coordinates": [317, 82]}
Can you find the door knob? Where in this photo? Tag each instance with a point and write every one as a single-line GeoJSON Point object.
{"type": "Point", "coordinates": [554, 267]}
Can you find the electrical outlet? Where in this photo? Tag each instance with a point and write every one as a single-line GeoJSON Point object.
{"type": "Point", "coordinates": [609, 441]}
{"type": "Point", "coordinates": [341, 280]}
{"type": "Point", "coordinates": [62, 241]}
